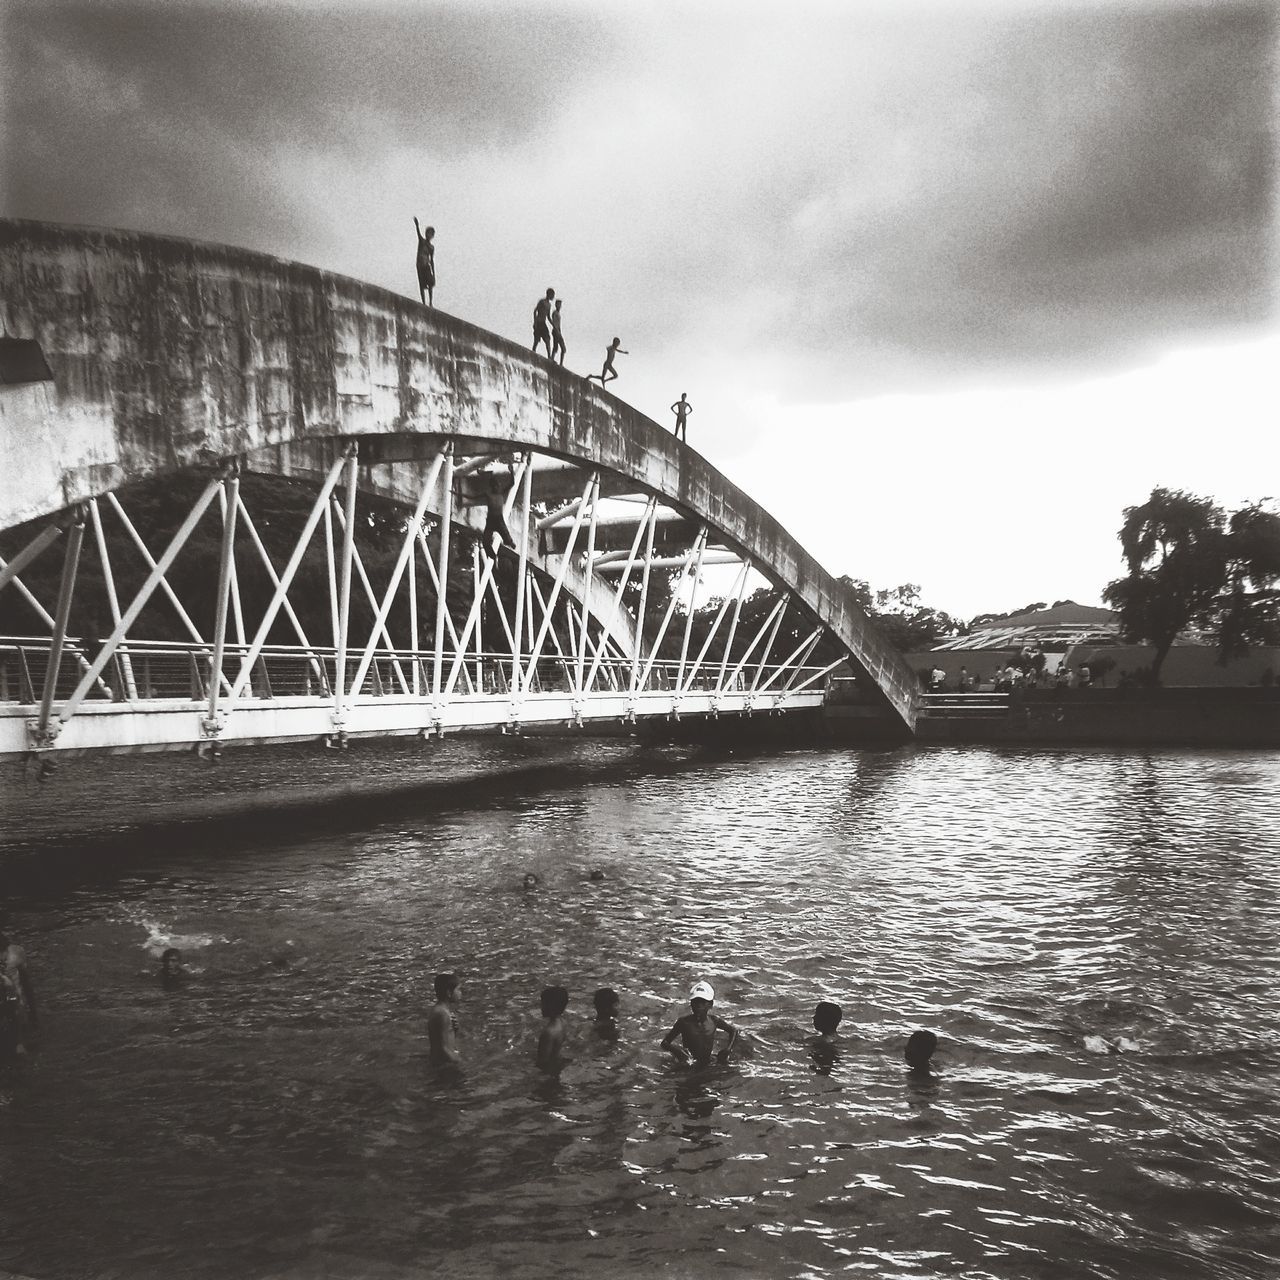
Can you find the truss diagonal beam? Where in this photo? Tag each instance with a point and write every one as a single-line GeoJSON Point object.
{"type": "Point", "coordinates": [48, 535]}
{"type": "Point", "coordinates": [145, 592]}
{"type": "Point", "coordinates": [407, 546]}
{"type": "Point", "coordinates": [286, 578]}
{"type": "Point", "coordinates": [644, 524]}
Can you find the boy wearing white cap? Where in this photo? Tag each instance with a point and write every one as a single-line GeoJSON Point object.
{"type": "Point", "coordinates": [697, 1030]}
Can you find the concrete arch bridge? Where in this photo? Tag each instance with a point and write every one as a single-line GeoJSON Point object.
{"type": "Point", "coordinates": [539, 564]}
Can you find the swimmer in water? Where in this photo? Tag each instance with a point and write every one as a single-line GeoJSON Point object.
{"type": "Point", "coordinates": [172, 974]}
{"type": "Point", "coordinates": [921, 1046]}
{"type": "Point", "coordinates": [18, 988]}
{"type": "Point", "coordinates": [555, 1000]}
{"type": "Point", "coordinates": [531, 882]}
{"type": "Point", "coordinates": [596, 874]}
{"type": "Point", "coordinates": [442, 1021]}
{"type": "Point", "coordinates": [697, 1030]}
{"type": "Point", "coordinates": [823, 1047]}
{"type": "Point", "coordinates": [607, 1004]}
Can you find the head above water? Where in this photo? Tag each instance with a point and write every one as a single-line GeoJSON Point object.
{"type": "Point", "coordinates": [555, 1000]}
{"type": "Point", "coordinates": [551, 293]}
{"type": "Point", "coordinates": [531, 881]}
{"type": "Point", "coordinates": [170, 956]}
{"type": "Point", "coordinates": [920, 1048]}
{"type": "Point", "coordinates": [826, 1017]}
{"type": "Point", "coordinates": [606, 1002]}
{"type": "Point", "coordinates": [446, 985]}
{"type": "Point", "coordinates": [703, 991]}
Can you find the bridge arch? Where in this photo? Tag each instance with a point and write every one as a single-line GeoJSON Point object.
{"type": "Point", "coordinates": [171, 355]}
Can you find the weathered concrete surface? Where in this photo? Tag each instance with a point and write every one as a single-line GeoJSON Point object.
{"type": "Point", "coordinates": [169, 355]}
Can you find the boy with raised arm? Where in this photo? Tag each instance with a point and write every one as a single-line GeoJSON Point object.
{"type": "Point", "coordinates": [697, 1030]}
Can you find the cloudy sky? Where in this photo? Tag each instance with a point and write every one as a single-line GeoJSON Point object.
{"type": "Point", "coordinates": [948, 284]}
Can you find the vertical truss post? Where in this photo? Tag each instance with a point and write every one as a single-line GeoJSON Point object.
{"type": "Point", "coordinates": [413, 615]}
{"type": "Point", "coordinates": [473, 617]}
{"type": "Point", "coordinates": [587, 572]}
{"type": "Point", "coordinates": [751, 648]}
{"type": "Point", "coordinates": [650, 514]}
{"type": "Point", "coordinates": [350, 462]}
{"type": "Point", "coordinates": [516, 667]}
{"type": "Point", "coordinates": [733, 630]}
{"type": "Point", "coordinates": [406, 554]}
{"type": "Point", "coordinates": [442, 587]}
{"type": "Point", "coordinates": [555, 639]}
{"type": "Point", "coordinates": [644, 597]}
{"type": "Point", "coordinates": [688, 620]}
{"type": "Point", "coordinates": [477, 594]}
{"type": "Point", "coordinates": [286, 578]}
{"type": "Point", "coordinates": [698, 542]}
{"type": "Point", "coordinates": [768, 649]}
{"type": "Point", "coordinates": [565, 559]}
{"type": "Point", "coordinates": [367, 587]}
{"type": "Point", "coordinates": [113, 599]}
{"type": "Point", "coordinates": [331, 561]}
{"type": "Point", "coordinates": [230, 498]}
{"type": "Point", "coordinates": [321, 675]}
{"type": "Point", "coordinates": [154, 579]}
{"type": "Point", "coordinates": [435, 585]}
{"type": "Point", "coordinates": [715, 627]}
{"type": "Point", "coordinates": [66, 591]}
{"type": "Point", "coordinates": [151, 562]}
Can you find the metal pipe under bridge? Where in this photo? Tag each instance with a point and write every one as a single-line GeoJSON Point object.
{"type": "Point", "coordinates": [540, 563]}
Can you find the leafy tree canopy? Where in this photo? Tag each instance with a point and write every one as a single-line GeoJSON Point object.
{"type": "Point", "coordinates": [1190, 564]}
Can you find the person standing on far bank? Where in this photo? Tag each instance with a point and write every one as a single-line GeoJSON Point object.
{"type": "Point", "coordinates": [426, 262]}
{"type": "Point", "coordinates": [682, 409]}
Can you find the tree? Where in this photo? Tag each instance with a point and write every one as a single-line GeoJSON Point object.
{"type": "Point", "coordinates": [1250, 611]}
{"type": "Point", "coordinates": [909, 625]}
{"type": "Point", "coordinates": [1188, 565]}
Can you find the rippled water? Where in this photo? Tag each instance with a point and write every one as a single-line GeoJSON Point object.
{"type": "Point", "coordinates": [276, 1116]}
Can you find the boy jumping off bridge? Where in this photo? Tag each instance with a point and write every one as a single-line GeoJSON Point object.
{"type": "Point", "coordinates": [608, 372]}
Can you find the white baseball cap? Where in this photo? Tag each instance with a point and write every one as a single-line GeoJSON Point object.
{"type": "Point", "coordinates": [702, 991]}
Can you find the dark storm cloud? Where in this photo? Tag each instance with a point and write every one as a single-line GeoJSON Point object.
{"type": "Point", "coordinates": [1114, 189]}
{"type": "Point", "coordinates": [168, 113]}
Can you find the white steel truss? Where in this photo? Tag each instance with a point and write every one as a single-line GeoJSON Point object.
{"type": "Point", "coordinates": [448, 628]}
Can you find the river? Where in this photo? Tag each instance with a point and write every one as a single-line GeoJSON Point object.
{"type": "Point", "coordinates": [1093, 935]}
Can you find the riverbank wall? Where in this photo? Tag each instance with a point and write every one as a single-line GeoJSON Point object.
{"type": "Point", "coordinates": [1195, 717]}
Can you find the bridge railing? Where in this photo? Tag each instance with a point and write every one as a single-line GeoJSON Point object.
{"type": "Point", "coordinates": [171, 670]}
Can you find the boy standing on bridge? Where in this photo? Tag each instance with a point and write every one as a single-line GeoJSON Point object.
{"type": "Point", "coordinates": [557, 338]}
{"type": "Point", "coordinates": [697, 1030]}
{"type": "Point", "coordinates": [682, 409]}
{"type": "Point", "coordinates": [541, 322]}
{"type": "Point", "coordinates": [426, 262]}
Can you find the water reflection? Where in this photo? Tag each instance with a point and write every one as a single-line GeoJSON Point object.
{"type": "Point", "coordinates": [1092, 935]}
